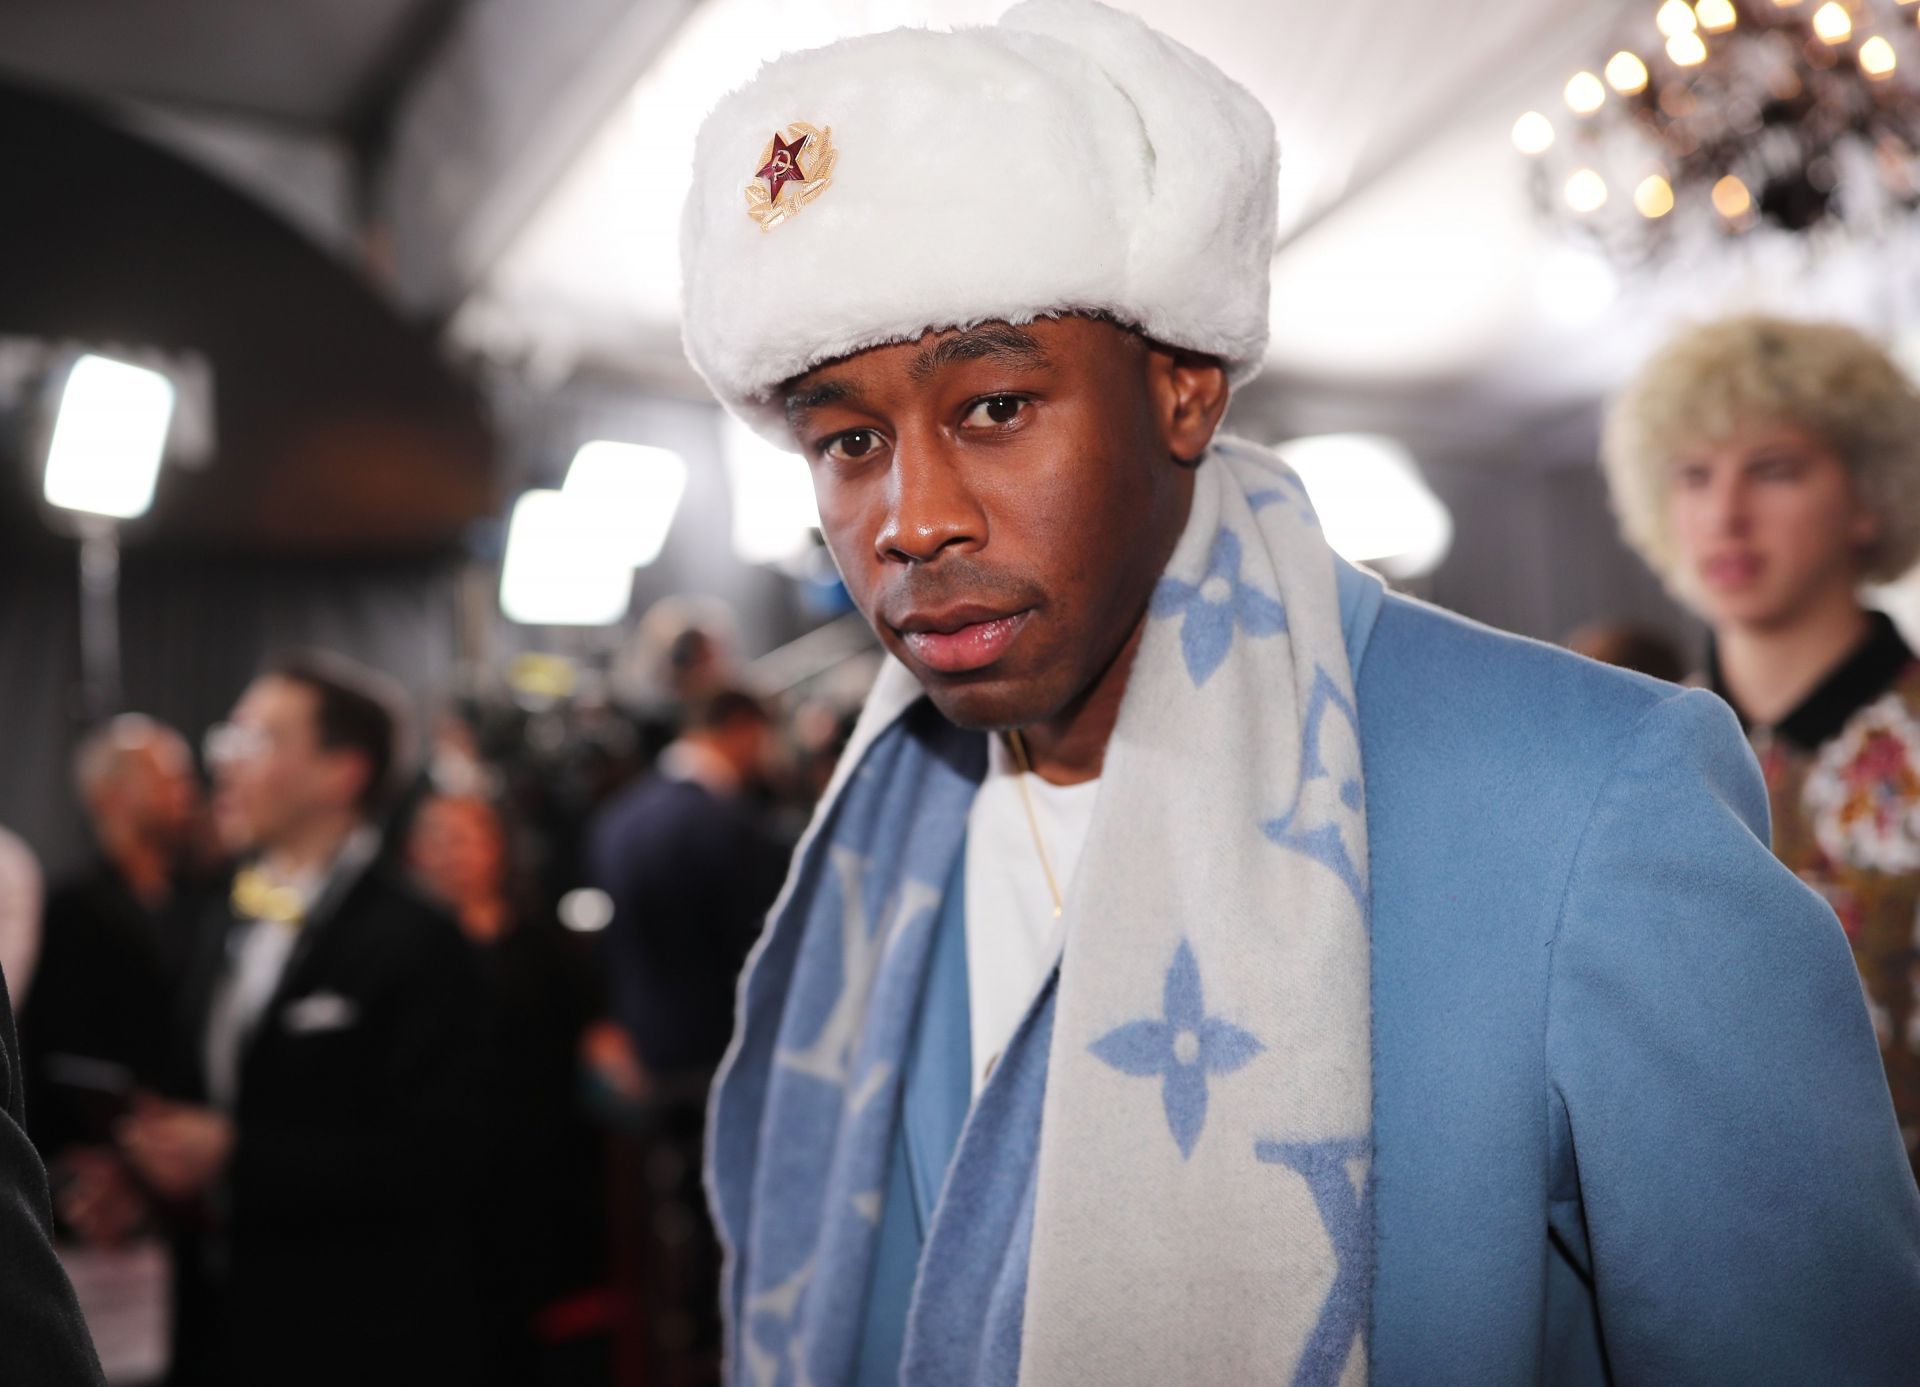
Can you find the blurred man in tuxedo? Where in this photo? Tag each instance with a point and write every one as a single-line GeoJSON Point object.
{"type": "Point", "coordinates": [316, 1145]}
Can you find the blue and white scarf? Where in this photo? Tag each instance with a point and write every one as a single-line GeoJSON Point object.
{"type": "Point", "coordinates": [1166, 1178]}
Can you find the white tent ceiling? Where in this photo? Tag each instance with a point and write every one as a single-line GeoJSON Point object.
{"type": "Point", "coordinates": [1410, 253]}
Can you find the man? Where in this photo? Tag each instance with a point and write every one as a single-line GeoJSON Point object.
{"type": "Point", "coordinates": [118, 934]}
{"type": "Point", "coordinates": [691, 870]}
{"type": "Point", "coordinates": [1402, 1002]}
{"type": "Point", "coordinates": [1767, 469]}
{"type": "Point", "coordinates": [320, 1143]}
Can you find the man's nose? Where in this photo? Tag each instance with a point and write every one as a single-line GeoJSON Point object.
{"type": "Point", "coordinates": [1727, 501]}
{"type": "Point", "coordinates": [930, 508]}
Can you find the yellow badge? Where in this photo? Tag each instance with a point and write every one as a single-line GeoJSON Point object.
{"type": "Point", "coordinates": [795, 168]}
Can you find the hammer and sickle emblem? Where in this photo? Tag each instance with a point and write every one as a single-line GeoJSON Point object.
{"type": "Point", "coordinates": [781, 185]}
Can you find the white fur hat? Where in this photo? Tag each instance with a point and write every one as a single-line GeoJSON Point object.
{"type": "Point", "coordinates": [1067, 158]}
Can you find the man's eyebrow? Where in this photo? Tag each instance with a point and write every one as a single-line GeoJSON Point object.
{"type": "Point", "coordinates": [807, 398]}
{"type": "Point", "coordinates": [1001, 340]}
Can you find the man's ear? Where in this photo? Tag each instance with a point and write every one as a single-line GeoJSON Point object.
{"type": "Point", "coordinates": [1866, 527]}
{"type": "Point", "coordinates": [351, 773]}
{"type": "Point", "coordinates": [1190, 397]}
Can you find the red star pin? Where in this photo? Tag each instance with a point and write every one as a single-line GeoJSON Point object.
{"type": "Point", "coordinates": [783, 167]}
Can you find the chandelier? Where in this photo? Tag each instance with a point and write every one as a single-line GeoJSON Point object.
{"type": "Point", "coordinates": [1723, 119]}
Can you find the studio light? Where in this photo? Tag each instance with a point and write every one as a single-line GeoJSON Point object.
{"type": "Point", "coordinates": [108, 438]}
{"type": "Point", "coordinates": [631, 488]}
{"type": "Point", "coordinates": [1373, 505]}
{"type": "Point", "coordinates": [567, 563]}
{"type": "Point", "coordinates": [774, 513]}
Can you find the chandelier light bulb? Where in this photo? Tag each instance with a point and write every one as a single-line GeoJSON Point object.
{"type": "Point", "coordinates": [1653, 199]}
{"type": "Point", "coordinates": [1586, 191]}
{"type": "Point", "coordinates": [1786, 4]}
{"type": "Point", "coordinates": [1687, 50]}
{"type": "Point", "coordinates": [1533, 133]}
{"type": "Point", "coordinates": [1716, 16]}
{"type": "Point", "coordinates": [1676, 17]}
{"type": "Point", "coordinates": [1832, 23]}
{"type": "Point", "coordinates": [1877, 58]}
{"type": "Point", "coordinates": [1626, 74]}
{"type": "Point", "coordinates": [1585, 94]}
{"type": "Point", "coordinates": [1731, 198]}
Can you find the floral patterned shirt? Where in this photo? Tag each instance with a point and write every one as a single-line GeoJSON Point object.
{"type": "Point", "coordinates": [1843, 775]}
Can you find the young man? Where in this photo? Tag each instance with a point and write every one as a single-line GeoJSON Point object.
{"type": "Point", "coordinates": [691, 868]}
{"type": "Point", "coordinates": [319, 1147]}
{"type": "Point", "coordinates": [1208, 967]}
{"type": "Point", "coordinates": [1767, 469]}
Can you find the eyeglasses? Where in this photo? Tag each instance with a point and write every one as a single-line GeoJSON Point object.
{"type": "Point", "coordinates": [228, 743]}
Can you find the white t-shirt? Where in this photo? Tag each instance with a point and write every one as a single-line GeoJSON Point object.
{"type": "Point", "coordinates": [1013, 941]}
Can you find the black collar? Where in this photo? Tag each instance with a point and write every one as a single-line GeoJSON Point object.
{"type": "Point", "coordinates": [1855, 682]}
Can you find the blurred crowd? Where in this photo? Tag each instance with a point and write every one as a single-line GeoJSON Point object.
{"type": "Point", "coordinates": [356, 1059]}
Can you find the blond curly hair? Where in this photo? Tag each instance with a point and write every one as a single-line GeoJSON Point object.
{"type": "Point", "coordinates": [1711, 381]}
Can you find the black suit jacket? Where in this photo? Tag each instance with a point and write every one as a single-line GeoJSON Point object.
{"type": "Point", "coordinates": [104, 989]}
{"type": "Point", "coordinates": [336, 1248]}
{"type": "Point", "coordinates": [43, 1340]}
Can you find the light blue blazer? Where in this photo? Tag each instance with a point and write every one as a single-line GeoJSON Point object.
{"type": "Point", "coordinates": [1630, 1119]}
{"type": "Point", "coordinates": [1630, 1122]}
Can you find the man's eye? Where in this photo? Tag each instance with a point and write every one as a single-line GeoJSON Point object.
{"type": "Point", "coordinates": [852, 445]}
{"type": "Point", "coordinates": [994, 411]}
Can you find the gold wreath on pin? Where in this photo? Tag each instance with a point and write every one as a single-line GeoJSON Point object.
{"type": "Point", "coordinates": [795, 168]}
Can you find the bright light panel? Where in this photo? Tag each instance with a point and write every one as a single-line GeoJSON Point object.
{"type": "Point", "coordinates": [774, 512]}
{"type": "Point", "coordinates": [1373, 505]}
{"type": "Point", "coordinates": [566, 564]}
{"type": "Point", "coordinates": [634, 488]}
{"type": "Point", "coordinates": [108, 438]}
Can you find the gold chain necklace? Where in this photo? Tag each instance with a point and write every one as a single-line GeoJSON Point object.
{"type": "Point", "coordinates": [1040, 846]}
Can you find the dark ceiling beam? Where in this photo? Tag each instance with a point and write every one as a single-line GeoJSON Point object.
{"type": "Point", "coordinates": [366, 121]}
{"type": "Point", "coordinates": [508, 95]}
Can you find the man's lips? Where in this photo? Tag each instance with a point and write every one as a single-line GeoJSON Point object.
{"type": "Point", "coordinates": [960, 639]}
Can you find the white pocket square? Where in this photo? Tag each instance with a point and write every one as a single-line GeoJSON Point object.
{"type": "Point", "coordinates": [319, 1011]}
